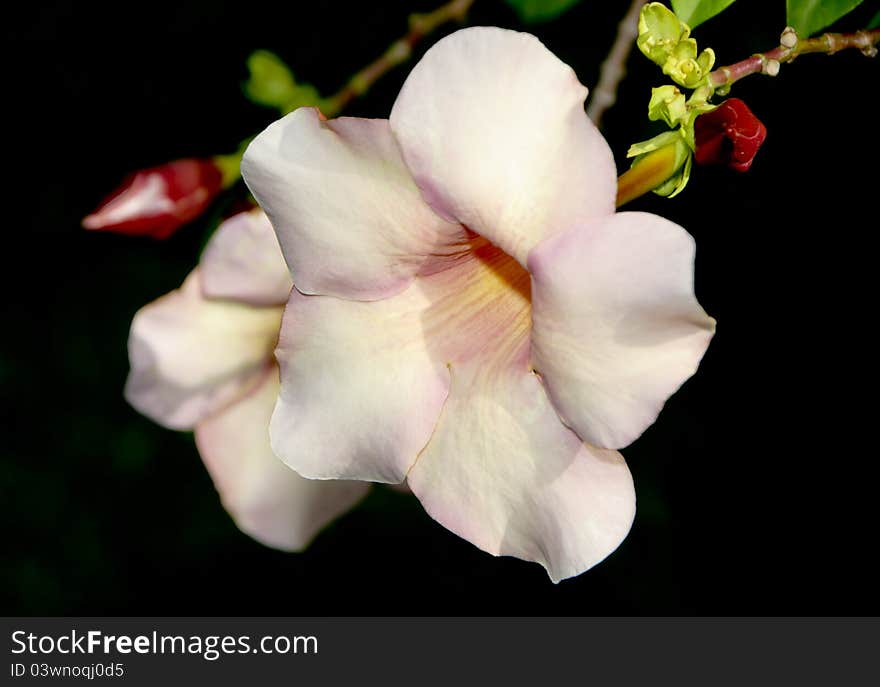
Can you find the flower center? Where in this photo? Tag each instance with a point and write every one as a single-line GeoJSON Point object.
{"type": "Point", "coordinates": [480, 306]}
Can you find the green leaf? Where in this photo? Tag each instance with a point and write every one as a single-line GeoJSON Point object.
{"type": "Point", "coordinates": [695, 12]}
{"type": "Point", "coordinates": [875, 22]}
{"type": "Point", "coordinates": [810, 16]}
{"type": "Point", "coordinates": [532, 11]}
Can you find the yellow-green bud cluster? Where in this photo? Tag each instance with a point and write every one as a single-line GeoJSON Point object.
{"type": "Point", "coordinates": [666, 41]}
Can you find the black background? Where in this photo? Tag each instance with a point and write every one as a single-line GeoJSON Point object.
{"type": "Point", "coordinates": [757, 486]}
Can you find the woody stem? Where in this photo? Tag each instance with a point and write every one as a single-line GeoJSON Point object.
{"type": "Point", "coordinates": [828, 43]}
{"type": "Point", "coordinates": [613, 69]}
{"type": "Point", "coordinates": [420, 25]}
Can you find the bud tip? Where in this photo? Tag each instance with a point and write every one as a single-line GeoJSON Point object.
{"type": "Point", "coordinates": [789, 38]}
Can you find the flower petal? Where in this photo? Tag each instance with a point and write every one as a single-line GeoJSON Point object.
{"type": "Point", "coordinates": [363, 383]}
{"type": "Point", "coordinates": [503, 472]}
{"type": "Point", "coordinates": [359, 392]}
{"type": "Point", "coordinates": [348, 215]}
{"type": "Point", "coordinates": [243, 262]}
{"type": "Point", "coordinates": [493, 128]}
{"type": "Point", "coordinates": [268, 500]}
{"type": "Point", "coordinates": [616, 326]}
{"type": "Point", "coordinates": [191, 356]}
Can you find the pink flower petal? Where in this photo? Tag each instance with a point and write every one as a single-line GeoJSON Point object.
{"type": "Point", "coordinates": [243, 262]}
{"type": "Point", "coordinates": [348, 215]}
{"type": "Point", "coordinates": [191, 356]}
{"type": "Point", "coordinates": [616, 326]}
{"type": "Point", "coordinates": [493, 128]}
{"type": "Point", "coordinates": [503, 472]}
{"type": "Point", "coordinates": [363, 383]}
{"type": "Point", "coordinates": [267, 499]}
{"type": "Point", "coordinates": [360, 393]}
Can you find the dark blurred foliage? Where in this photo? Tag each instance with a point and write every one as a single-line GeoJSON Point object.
{"type": "Point", "coordinates": [757, 487]}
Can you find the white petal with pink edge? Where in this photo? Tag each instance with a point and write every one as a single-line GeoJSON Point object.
{"type": "Point", "coordinates": [348, 215]}
{"type": "Point", "coordinates": [243, 262]}
{"type": "Point", "coordinates": [363, 383]}
{"type": "Point", "coordinates": [493, 128]}
{"type": "Point", "coordinates": [267, 500]}
{"type": "Point", "coordinates": [504, 473]}
{"type": "Point", "coordinates": [616, 326]}
{"type": "Point", "coordinates": [191, 356]}
{"type": "Point", "coordinates": [360, 393]}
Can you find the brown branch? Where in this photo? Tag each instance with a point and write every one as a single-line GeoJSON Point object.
{"type": "Point", "coordinates": [420, 25]}
{"type": "Point", "coordinates": [613, 69]}
{"type": "Point", "coordinates": [768, 62]}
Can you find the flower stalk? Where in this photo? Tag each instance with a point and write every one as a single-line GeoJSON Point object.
{"type": "Point", "coordinates": [768, 63]}
{"type": "Point", "coordinates": [613, 69]}
{"type": "Point", "coordinates": [420, 26]}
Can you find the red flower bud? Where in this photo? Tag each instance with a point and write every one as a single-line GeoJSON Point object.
{"type": "Point", "coordinates": [159, 200]}
{"type": "Point", "coordinates": [728, 135]}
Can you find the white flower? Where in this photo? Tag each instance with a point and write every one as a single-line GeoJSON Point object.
{"type": "Point", "coordinates": [201, 358]}
{"type": "Point", "coordinates": [470, 313]}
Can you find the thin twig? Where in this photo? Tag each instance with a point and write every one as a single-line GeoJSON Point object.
{"type": "Point", "coordinates": [420, 25]}
{"type": "Point", "coordinates": [613, 69]}
{"type": "Point", "coordinates": [768, 63]}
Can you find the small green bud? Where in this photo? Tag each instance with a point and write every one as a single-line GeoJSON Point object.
{"type": "Point", "coordinates": [685, 51]}
{"type": "Point", "coordinates": [677, 171]}
{"type": "Point", "coordinates": [667, 103]}
{"type": "Point", "coordinates": [660, 31]}
{"type": "Point", "coordinates": [675, 184]}
{"type": "Point", "coordinates": [706, 60]}
{"type": "Point", "coordinates": [685, 67]}
{"type": "Point", "coordinates": [700, 96]}
{"type": "Point", "coordinates": [305, 95]}
{"type": "Point", "coordinates": [697, 104]}
{"type": "Point", "coordinates": [665, 40]}
{"type": "Point", "coordinates": [272, 84]}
